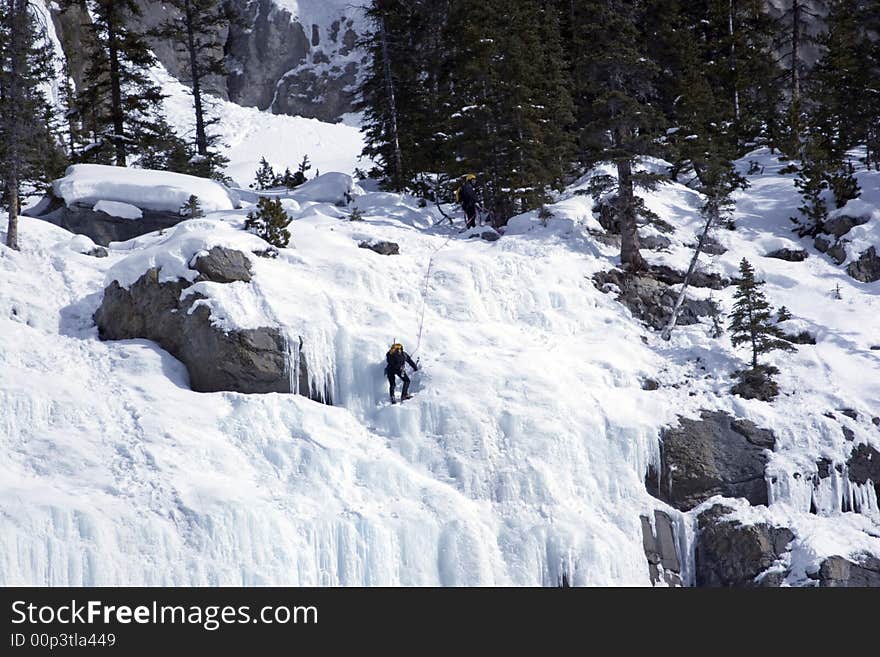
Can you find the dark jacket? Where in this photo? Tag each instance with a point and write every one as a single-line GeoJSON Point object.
{"type": "Point", "coordinates": [467, 196]}
{"type": "Point", "coordinates": [397, 360]}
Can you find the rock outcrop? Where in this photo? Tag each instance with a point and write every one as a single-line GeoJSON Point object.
{"type": "Point", "coordinates": [244, 360]}
{"type": "Point", "coordinates": [382, 248]}
{"type": "Point", "coordinates": [837, 571]}
{"type": "Point", "coordinates": [730, 554]}
{"type": "Point", "coordinates": [275, 61]}
{"type": "Point", "coordinates": [651, 300]}
{"type": "Point", "coordinates": [791, 255]}
{"type": "Point", "coordinates": [661, 549]}
{"type": "Point", "coordinates": [867, 268]}
{"type": "Point", "coordinates": [863, 466]}
{"type": "Point", "coordinates": [715, 455]}
{"type": "Point", "coordinates": [100, 226]}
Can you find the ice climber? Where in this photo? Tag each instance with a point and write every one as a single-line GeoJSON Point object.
{"type": "Point", "coordinates": [467, 196]}
{"type": "Point", "coordinates": [397, 360]}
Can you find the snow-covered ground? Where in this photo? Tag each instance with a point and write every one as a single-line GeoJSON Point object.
{"type": "Point", "coordinates": [521, 457]}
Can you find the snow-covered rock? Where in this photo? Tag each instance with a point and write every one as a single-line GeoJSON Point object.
{"type": "Point", "coordinates": [121, 210]}
{"type": "Point", "coordinates": [162, 191]}
{"type": "Point", "coordinates": [336, 188]}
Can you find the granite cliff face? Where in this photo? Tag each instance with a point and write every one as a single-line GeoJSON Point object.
{"type": "Point", "coordinates": [286, 57]}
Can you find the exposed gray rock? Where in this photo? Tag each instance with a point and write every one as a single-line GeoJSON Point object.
{"type": "Point", "coordinates": [804, 337]}
{"type": "Point", "coordinates": [490, 235]}
{"type": "Point", "coordinates": [98, 252]}
{"type": "Point", "coordinates": [730, 554]}
{"type": "Point", "coordinates": [699, 278]}
{"type": "Point", "coordinates": [655, 242]}
{"type": "Point", "coordinates": [661, 549]}
{"type": "Point", "coordinates": [248, 360]}
{"type": "Point", "coordinates": [867, 268]}
{"type": "Point", "coordinates": [822, 243]}
{"type": "Point", "coordinates": [712, 246]}
{"type": "Point", "coordinates": [840, 572]}
{"type": "Point", "coordinates": [715, 455]}
{"type": "Point", "coordinates": [791, 255]}
{"type": "Point", "coordinates": [382, 248]}
{"type": "Point", "coordinates": [864, 465]}
{"type": "Point", "coordinates": [757, 383]}
{"type": "Point", "coordinates": [851, 413]}
{"type": "Point", "coordinates": [222, 265]}
{"type": "Point", "coordinates": [650, 384]}
{"type": "Point", "coordinates": [101, 227]}
{"type": "Point", "coordinates": [837, 253]}
{"type": "Point", "coordinates": [840, 226]}
{"type": "Point", "coordinates": [253, 360]}
{"type": "Point", "coordinates": [651, 300]}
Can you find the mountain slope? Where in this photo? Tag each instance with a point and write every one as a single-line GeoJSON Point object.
{"type": "Point", "coordinates": [521, 459]}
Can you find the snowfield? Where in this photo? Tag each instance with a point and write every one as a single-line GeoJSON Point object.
{"type": "Point", "coordinates": [520, 459]}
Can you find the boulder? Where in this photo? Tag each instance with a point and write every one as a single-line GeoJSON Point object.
{"type": "Point", "coordinates": [101, 227]}
{"type": "Point", "coordinates": [222, 265]}
{"type": "Point", "coordinates": [841, 225]}
{"type": "Point", "coordinates": [490, 235]}
{"type": "Point", "coordinates": [837, 571]}
{"type": "Point", "coordinates": [728, 553]}
{"type": "Point", "coordinates": [655, 242]}
{"type": "Point", "coordinates": [98, 252]}
{"type": "Point", "coordinates": [699, 278]}
{"type": "Point", "coordinates": [382, 248]}
{"type": "Point", "coordinates": [651, 300]}
{"type": "Point", "coordinates": [661, 549]}
{"type": "Point", "coordinates": [863, 465]}
{"type": "Point", "coordinates": [757, 383]}
{"type": "Point", "coordinates": [715, 455]}
{"type": "Point", "coordinates": [790, 255]}
{"type": "Point", "coordinates": [712, 246]}
{"type": "Point", "coordinates": [244, 360]}
{"type": "Point", "coordinates": [867, 268]}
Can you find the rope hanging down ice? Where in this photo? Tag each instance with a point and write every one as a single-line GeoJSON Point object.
{"type": "Point", "coordinates": [425, 291]}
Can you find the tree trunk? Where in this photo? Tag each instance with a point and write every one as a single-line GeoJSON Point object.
{"type": "Point", "coordinates": [732, 33]}
{"type": "Point", "coordinates": [630, 257]}
{"type": "Point", "coordinates": [795, 50]}
{"type": "Point", "coordinates": [711, 217]}
{"type": "Point", "coordinates": [392, 107]}
{"type": "Point", "coordinates": [201, 135]}
{"type": "Point", "coordinates": [116, 89]}
{"type": "Point", "coordinates": [17, 53]}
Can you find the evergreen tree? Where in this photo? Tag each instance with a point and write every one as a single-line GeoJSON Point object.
{"type": "Point", "coordinates": [265, 176]}
{"type": "Point", "coordinates": [192, 208]}
{"type": "Point", "coordinates": [30, 155]}
{"type": "Point", "coordinates": [196, 33]}
{"type": "Point", "coordinates": [120, 106]}
{"type": "Point", "coordinates": [615, 85]}
{"type": "Point", "coordinates": [751, 322]}
{"type": "Point", "coordinates": [269, 221]}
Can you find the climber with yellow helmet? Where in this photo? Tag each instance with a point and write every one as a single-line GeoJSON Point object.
{"type": "Point", "coordinates": [467, 196]}
{"type": "Point", "coordinates": [396, 360]}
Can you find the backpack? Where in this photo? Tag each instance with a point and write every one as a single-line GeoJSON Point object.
{"type": "Point", "coordinates": [395, 358]}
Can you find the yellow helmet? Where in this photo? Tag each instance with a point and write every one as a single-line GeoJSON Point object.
{"type": "Point", "coordinates": [470, 176]}
{"type": "Point", "coordinates": [396, 347]}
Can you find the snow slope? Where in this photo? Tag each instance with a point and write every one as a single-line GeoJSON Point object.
{"type": "Point", "coordinates": [521, 458]}
{"type": "Point", "coordinates": [246, 135]}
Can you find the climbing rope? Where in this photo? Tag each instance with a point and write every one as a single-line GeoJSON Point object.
{"type": "Point", "coordinates": [425, 290]}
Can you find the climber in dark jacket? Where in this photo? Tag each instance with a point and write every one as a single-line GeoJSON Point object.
{"type": "Point", "coordinates": [467, 196]}
{"type": "Point", "coordinates": [397, 359]}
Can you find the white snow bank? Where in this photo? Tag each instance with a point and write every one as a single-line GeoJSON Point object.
{"type": "Point", "coordinates": [327, 188]}
{"type": "Point", "coordinates": [117, 209]}
{"type": "Point", "coordinates": [143, 188]}
{"type": "Point", "coordinates": [173, 252]}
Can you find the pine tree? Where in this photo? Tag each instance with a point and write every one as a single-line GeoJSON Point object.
{"type": "Point", "coordinates": [192, 208]}
{"type": "Point", "coordinates": [195, 32]}
{"type": "Point", "coordinates": [270, 222]}
{"type": "Point", "coordinates": [119, 105]}
{"type": "Point", "coordinates": [750, 322]}
{"type": "Point", "coordinates": [265, 176]}
{"type": "Point", "coordinates": [615, 84]}
{"type": "Point", "coordinates": [29, 152]}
